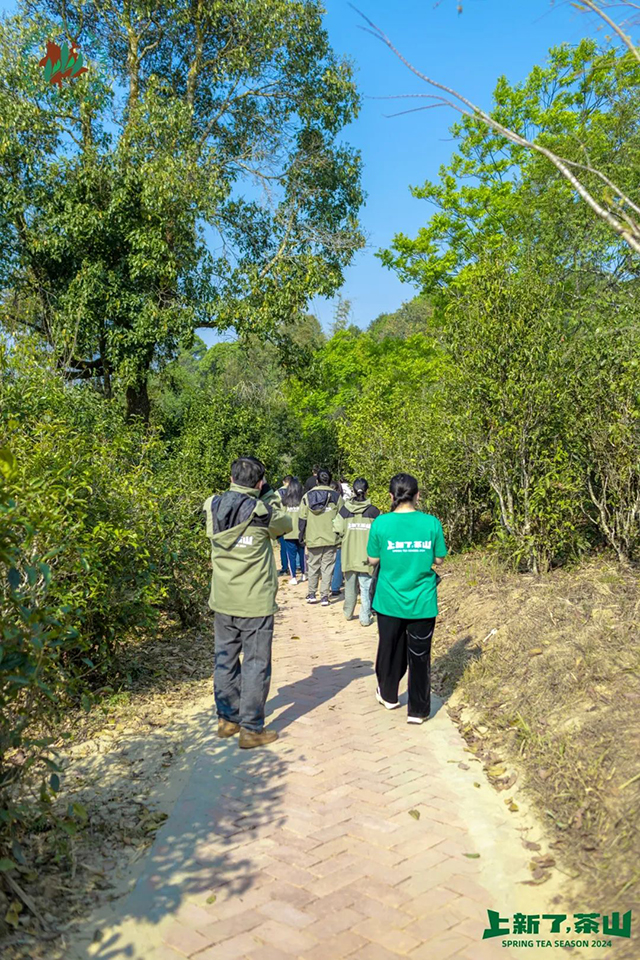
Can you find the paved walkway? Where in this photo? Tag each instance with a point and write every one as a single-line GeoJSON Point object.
{"type": "Point", "coordinates": [347, 838]}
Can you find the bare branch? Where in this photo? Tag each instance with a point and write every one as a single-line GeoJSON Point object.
{"type": "Point", "coordinates": [599, 12]}
{"type": "Point", "coordinates": [629, 232]}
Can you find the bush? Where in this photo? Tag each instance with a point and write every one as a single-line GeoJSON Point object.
{"type": "Point", "coordinates": [96, 541]}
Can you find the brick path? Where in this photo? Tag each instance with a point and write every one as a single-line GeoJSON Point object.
{"type": "Point", "coordinates": [309, 847]}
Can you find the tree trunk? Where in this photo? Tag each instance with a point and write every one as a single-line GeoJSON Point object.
{"type": "Point", "coordinates": [138, 402]}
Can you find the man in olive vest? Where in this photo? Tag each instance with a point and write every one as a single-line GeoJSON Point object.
{"type": "Point", "coordinates": [241, 523]}
{"type": "Point", "coordinates": [318, 507]}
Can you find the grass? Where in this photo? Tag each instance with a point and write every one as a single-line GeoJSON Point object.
{"type": "Point", "coordinates": [550, 666]}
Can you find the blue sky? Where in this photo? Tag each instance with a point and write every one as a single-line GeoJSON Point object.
{"type": "Point", "coordinates": [469, 52]}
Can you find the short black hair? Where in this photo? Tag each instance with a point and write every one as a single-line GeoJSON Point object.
{"type": "Point", "coordinates": [324, 477]}
{"type": "Point", "coordinates": [360, 487]}
{"type": "Point", "coordinates": [247, 471]}
{"type": "Point", "coordinates": [314, 469]}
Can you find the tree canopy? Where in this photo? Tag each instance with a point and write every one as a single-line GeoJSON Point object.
{"type": "Point", "coordinates": [200, 183]}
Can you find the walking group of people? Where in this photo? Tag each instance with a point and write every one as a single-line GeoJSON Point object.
{"type": "Point", "coordinates": [326, 530]}
{"type": "Point", "coordinates": [328, 540]}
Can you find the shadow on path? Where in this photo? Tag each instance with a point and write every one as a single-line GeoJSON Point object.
{"type": "Point", "coordinates": [232, 798]}
{"type": "Point", "coordinates": [322, 684]}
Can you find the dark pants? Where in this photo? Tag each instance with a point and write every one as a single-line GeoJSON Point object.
{"type": "Point", "coordinates": [295, 556]}
{"type": "Point", "coordinates": [336, 579]}
{"type": "Point", "coordinates": [283, 555]}
{"type": "Point", "coordinates": [405, 643]}
{"type": "Point", "coordinates": [241, 693]}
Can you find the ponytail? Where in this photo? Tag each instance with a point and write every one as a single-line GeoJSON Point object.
{"type": "Point", "coordinates": [403, 489]}
{"type": "Point", "coordinates": [360, 487]}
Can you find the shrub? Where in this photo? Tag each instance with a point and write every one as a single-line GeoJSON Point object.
{"type": "Point", "coordinates": [96, 541]}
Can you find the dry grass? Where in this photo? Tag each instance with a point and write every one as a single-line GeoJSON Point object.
{"type": "Point", "coordinates": [556, 690]}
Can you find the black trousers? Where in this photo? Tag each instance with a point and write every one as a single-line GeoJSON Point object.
{"type": "Point", "coordinates": [405, 643]}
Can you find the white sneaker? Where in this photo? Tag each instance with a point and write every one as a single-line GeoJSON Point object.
{"type": "Point", "coordinates": [303, 578]}
{"type": "Point", "coordinates": [312, 598]}
{"type": "Point", "coordinates": [293, 582]}
{"type": "Point", "coordinates": [416, 719]}
{"type": "Point", "coordinates": [389, 706]}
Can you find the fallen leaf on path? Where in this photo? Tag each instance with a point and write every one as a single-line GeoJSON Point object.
{"type": "Point", "coordinates": [415, 814]}
{"type": "Point", "coordinates": [152, 821]}
{"type": "Point", "coordinates": [506, 784]}
{"type": "Point", "coordinates": [544, 861]}
{"type": "Point", "coordinates": [535, 651]}
{"type": "Point", "coordinates": [12, 914]}
{"type": "Point", "coordinates": [537, 881]}
{"type": "Point", "coordinates": [472, 856]}
{"type": "Point", "coordinates": [464, 766]}
{"type": "Point", "coordinates": [477, 784]}
{"type": "Point", "coordinates": [497, 771]}
{"type": "Point", "coordinates": [513, 807]}
{"type": "Point", "coordinates": [211, 899]}
{"type": "Point", "coordinates": [529, 845]}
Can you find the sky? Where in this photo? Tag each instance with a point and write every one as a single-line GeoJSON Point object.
{"type": "Point", "coordinates": [467, 51]}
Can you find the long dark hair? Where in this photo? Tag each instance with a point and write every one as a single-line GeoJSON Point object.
{"type": "Point", "coordinates": [293, 494]}
{"type": "Point", "coordinates": [360, 487]}
{"type": "Point", "coordinates": [403, 488]}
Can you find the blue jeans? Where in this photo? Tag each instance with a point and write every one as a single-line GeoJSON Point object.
{"type": "Point", "coordinates": [351, 582]}
{"type": "Point", "coordinates": [283, 555]}
{"type": "Point", "coordinates": [336, 580]}
{"type": "Point", "coordinates": [295, 556]}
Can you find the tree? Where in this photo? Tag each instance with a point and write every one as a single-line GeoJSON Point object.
{"type": "Point", "coordinates": [605, 196]}
{"type": "Point", "coordinates": [212, 193]}
{"type": "Point", "coordinates": [494, 193]}
{"type": "Point", "coordinates": [536, 307]}
{"type": "Point", "coordinates": [412, 317]}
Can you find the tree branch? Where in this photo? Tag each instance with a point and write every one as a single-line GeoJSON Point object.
{"type": "Point", "coordinates": [625, 231]}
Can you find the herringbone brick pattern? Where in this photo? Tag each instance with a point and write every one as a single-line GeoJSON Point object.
{"type": "Point", "coordinates": [347, 838]}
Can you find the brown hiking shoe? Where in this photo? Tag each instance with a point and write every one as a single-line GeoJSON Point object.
{"type": "Point", "coordinates": [251, 738]}
{"type": "Point", "coordinates": [226, 728]}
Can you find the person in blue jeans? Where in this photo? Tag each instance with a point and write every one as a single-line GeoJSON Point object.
{"type": "Point", "coordinates": [337, 576]}
{"type": "Point", "coordinates": [291, 499]}
{"type": "Point", "coordinates": [353, 525]}
{"type": "Point", "coordinates": [284, 566]}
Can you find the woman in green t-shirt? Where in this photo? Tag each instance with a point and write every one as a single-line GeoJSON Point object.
{"type": "Point", "coordinates": [406, 543]}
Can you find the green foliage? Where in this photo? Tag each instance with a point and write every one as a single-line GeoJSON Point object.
{"type": "Point", "coordinates": [96, 539]}
{"type": "Point", "coordinates": [536, 308]}
{"type": "Point", "coordinates": [128, 221]}
{"type": "Point", "coordinates": [412, 317]}
{"type": "Point", "coordinates": [494, 196]}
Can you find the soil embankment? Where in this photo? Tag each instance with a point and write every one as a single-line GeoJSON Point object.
{"type": "Point", "coordinates": [543, 678]}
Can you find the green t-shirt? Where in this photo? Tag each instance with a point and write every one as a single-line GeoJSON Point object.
{"type": "Point", "coordinates": [406, 544]}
